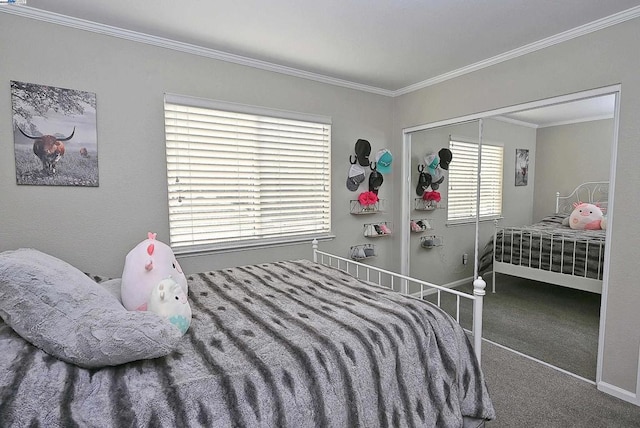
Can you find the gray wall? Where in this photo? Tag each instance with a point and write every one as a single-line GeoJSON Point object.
{"type": "Point", "coordinates": [517, 200]}
{"type": "Point", "coordinates": [569, 155]}
{"type": "Point", "coordinates": [94, 228]}
{"type": "Point", "coordinates": [609, 56]}
{"type": "Point", "coordinates": [440, 265]}
{"type": "Point", "coordinates": [443, 265]}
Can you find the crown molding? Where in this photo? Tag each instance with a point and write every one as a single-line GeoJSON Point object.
{"type": "Point", "coordinates": [515, 122]}
{"type": "Point", "coordinates": [81, 24]}
{"type": "Point", "coordinates": [591, 27]}
{"type": "Point", "coordinates": [581, 120]}
{"type": "Point", "coordinates": [548, 125]}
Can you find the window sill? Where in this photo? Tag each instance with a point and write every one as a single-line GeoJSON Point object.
{"type": "Point", "coordinates": [465, 221]}
{"type": "Point", "coordinates": [234, 247]}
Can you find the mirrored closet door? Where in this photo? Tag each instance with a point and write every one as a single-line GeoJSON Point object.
{"type": "Point", "coordinates": [443, 203]}
{"type": "Point", "coordinates": [527, 155]}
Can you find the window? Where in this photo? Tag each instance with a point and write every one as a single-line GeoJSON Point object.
{"type": "Point", "coordinates": [241, 176]}
{"type": "Point", "coordinates": [463, 181]}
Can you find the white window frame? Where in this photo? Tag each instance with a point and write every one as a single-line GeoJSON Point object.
{"type": "Point", "coordinates": [463, 178]}
{"type": "Point", "coordinates": [242, 176]}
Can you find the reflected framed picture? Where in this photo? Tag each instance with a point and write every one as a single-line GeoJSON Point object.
{"type": "Point", "coordinates": [522, 167]}
{"type": "Point", "coordinates": [55, 135]}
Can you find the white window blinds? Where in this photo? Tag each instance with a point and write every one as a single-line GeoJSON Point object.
{"type": "Point", "coordinates": [244, 176]}
{"type": "Point", "coordinates": [463, 181]}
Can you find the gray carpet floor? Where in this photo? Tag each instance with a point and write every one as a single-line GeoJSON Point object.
{"type": "Point", "coordinates": [526, 393]}
{"type": "Point", "coordinates": [554, 324]}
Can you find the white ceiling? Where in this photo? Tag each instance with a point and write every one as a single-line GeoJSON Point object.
{"type": "Point", "coordinates": [383, 46]}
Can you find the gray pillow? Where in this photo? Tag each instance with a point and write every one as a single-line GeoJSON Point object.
{"type": "Point", "coordinates": [63, 312]}
{"type": "Point", "coordinates": [113, 287]}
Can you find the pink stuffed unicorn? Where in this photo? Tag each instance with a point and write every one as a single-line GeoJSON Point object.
{"type": "Point", "coordinates": [147, 264]}
{"type": "Point", "coordinates": [586, 217]}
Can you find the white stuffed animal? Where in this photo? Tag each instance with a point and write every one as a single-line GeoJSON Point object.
{"type": "Point", "coordinates": [145, 266]}
{"type": "Point", "coordinates": [169, 301]}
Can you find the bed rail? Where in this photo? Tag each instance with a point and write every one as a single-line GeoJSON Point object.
{"type": "Point", "coordinates": [553, 257]}
{"type": "Point", "coordinates": [393, 280]}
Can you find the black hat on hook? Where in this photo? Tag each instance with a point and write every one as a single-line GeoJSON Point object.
{"type": "Point", "coordinates": [363, 150]}
{"type": "Point", "coordinates": [424, 181]}
{"type": "Point", "coordinates": [445, 156]}
{"type": "Point", "coordinates": [375, 181]}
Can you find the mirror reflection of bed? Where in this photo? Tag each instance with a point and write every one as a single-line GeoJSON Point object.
{"type": "Point", "coordinates": [549, 276]}
{"type": "Point", "coordinates": [552, 250]}
{"type": "Point", "coordinates": [546, 302]}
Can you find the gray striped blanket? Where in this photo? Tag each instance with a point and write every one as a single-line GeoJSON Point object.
{"type": "Point", "coordinates": [549, 245]}
{"type": "Point", "coordinates": [288, 344]}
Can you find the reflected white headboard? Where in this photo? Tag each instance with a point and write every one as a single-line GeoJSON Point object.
{"type": "Point", "coordinates": [593, 192]}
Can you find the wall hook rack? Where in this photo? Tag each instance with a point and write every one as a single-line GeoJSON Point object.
{"type": "Point", "coordinates": [422, 205]}
{"type": "Point", "coordinates": [377, 230]}
{"type": "Point", "coordinates": [363, 251]}
{"type": "Point", "coordinates": [420, 225]}
{"type": "Point", "coordinates": [431, 241]}
{"type": "Point", "coordinates": [357, 208]}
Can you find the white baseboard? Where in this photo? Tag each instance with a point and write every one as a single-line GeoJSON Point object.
{"type": "Point", "coordinates": [618, 393]}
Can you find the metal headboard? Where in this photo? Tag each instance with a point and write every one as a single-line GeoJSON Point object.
{"type": "Point", "coordinates": [593, 192]}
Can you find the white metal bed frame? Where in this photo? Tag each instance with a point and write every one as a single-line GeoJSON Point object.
{"type": "Point", "coordinates": [591, 192]}
{"type": "Point", "coordinates": [391, 280]}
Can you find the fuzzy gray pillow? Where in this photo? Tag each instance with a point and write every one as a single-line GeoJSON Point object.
{"type": "Point", "coordinates": [113, 286]}
{"type": "Point", "coordinates": [63, 312]}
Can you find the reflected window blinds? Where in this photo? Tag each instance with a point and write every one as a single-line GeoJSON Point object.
{"type": "Point", "coordinates": [463, 181]}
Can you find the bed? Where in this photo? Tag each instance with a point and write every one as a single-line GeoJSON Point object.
{"type": "Point", "coordinates": [550, 251]}
{"type": "Point", "coordinates": [295, 343]}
